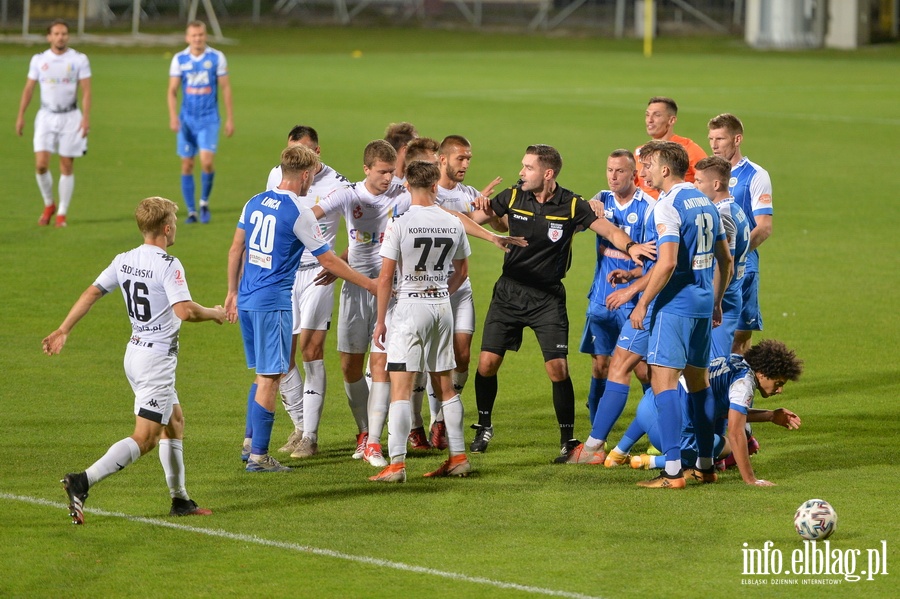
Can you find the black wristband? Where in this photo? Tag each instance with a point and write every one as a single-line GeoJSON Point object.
{"type": "Point", "coordinates": [628, 245]}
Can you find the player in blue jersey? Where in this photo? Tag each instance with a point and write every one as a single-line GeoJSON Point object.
{"type": "Point", "coordinates": [627, 207]}
{"type": "Point", "coordinates": [272, 233]}
{"type": "Point", "coordinates": [712, 175]}
{"type": "Point", "coordinates": [734, 379]}
{"type": "Point", "coordinates": [751, 188]}
{"type": "Point", "coordinates": [682, 304]}
{"type": "Point", "coordinates": [201, 72]}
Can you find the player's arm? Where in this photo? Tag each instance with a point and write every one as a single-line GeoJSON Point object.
{"type": "Point", "coordinates": [781, 417]}
{"type": "Point", "coordinates": [225, 88]}
{"type": "Point", "coordinates": [172, 99]}
{"type": "Point", "coordinates": [473, 229]}
{"type": "Point", "coordinates": [191, 311]}
{"type": "Point", "coordinates": [54, 342]}
{"type": "Point", "coordinates": [235, 261]}
{"type": "Point", "coordinates": [622, 241]}
{"type": "Point", "coordinates": [659, 276]}
{"type": "Point", "coordinates": [620, 297]}
{"type": "Point", "coordinates": [27, 93]}
{"type": "Point", "coordinates": [336, 266]}
{"type": "Point", "coordinates": [721, 278]}
{"type": "Point", "coordinates": [460, 272]}
{"type": "Point", "coordinates": [761, 231]}
{"type": "Point", "coordinates": [737, 438]}
{"type": "Point", "coordinates": [383, 297]}
{"type": "Point", "coordinates": [85, 85]}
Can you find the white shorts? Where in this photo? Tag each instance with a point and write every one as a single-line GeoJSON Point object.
{"type": "Point", "coordinates": [59, 133]}
{"type": "Point", "coordinates": [357, 313]}
{"type": "Point", "coordinates": [421, 338]}
{"type": "Point", "coordinates": [152, 378]}
{"type": "Point", "coordinates": [313, 304]}
{"type": "Point", "coordinates": [392, 303]}
{"type": "Point", "coordinates": [463, 309]}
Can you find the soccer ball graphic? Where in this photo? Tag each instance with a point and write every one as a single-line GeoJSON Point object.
{"type": "Point", "coordinates": [815, 520]}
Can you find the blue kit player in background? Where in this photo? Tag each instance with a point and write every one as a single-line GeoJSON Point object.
{"type": "Point", "coordinates": [271, 235]}
{"type": "Point", "coordinates": [627, 207]}
{"type": "Point", "coordinates": [201, 72]}
{"type": "Point", "coordinates": [711, 178]}
{"type": "Point", "coordinates": [682, 305]}
{"type": "Point", "coordinates": [751, 188]}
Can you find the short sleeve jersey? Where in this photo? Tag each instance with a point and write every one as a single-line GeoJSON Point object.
{"type": "Point", "coordinates": [367, 217]}
{"type": "Point", "coordinates": [548, 228]}
{"type": "Point", "coordinates": [695, 155]}
{"type": "Point", "coordinates": [325, 181]}
{"type": "Point", "coordinates": [424, 241]}
{"type": "Point", "coordinates": [751, 188]}
{"type": "Point", "coordinates": [732, 382]}
{"type": "Point", "coordinates": [461, 199]}
{"type": "Point", "coordinates": [277, 229]}
{"type": "Point", "coordinates": [58, 76]}
{"type": "Point", "coordinates": [151, 281]}
{"type": "Point", "coordinates": [631, 217]}
{"type": "Point", "coordinates": [687, 217]}
{"type": "Point", "coordinates": [737, 230]}
{"type": "Point", "coordinates": [199, 84]}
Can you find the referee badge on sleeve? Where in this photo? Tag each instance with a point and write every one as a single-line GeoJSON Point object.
{"type": "Point", "coordinates": [555, 232]}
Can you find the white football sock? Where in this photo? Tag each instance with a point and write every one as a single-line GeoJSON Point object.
{"type": "Point", "coordinates": [66, 187]}
{"type": "Point", "coordinates": [171, 456]}
{"type": "Point", "coordinates": [434, 404]}
{"type": "Point", "coordinates": [45, 184]}
{"type": "Point", "coordinates": [119, 455]}
{"type": "Point", "coordinates": [291, 387]}
{"type": "Point", "coordinates": [357, 399]}
{"type": "Point", "coordinates": [418, 396]}
{"type": "Point", "coordinates": [673, 467]}
{"type": "Point", "coordinates": [459, 380]}
{"type": "Point", "coordinates": [398, 430]}
{"type": "Point", "coordinates": [453, 418]}
{"type": "Point", "coordinates": [379, 399]}
{"type": "Point", "coordinates": [313, 396]}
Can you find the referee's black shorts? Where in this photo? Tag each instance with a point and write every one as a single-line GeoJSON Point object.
{"type": "Point", "coordinates": [515, 306]}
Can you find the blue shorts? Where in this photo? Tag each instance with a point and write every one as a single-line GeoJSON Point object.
{"type": "Point", "coordinates": [676, 341]}
{"type": "Point", "coordinates": [723, 338]}
{"type": "Point", "coordinates": [751, 317]}
{"type": "Point", "coordinates": [601, 329]}
{"type": "Point", "coordinates": [267, 339]}
{"type": "Point", "coordinates": [634, 340]}
{"type": "Point", "coordinates": [194, 137]}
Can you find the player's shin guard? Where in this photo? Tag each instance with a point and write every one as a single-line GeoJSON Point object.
{"type": "Point", "coordinates": [485, 395]}
{"type": "Point", "coordinates": [313, 395]}
{"type": "Point", "coordinates": [418, 398]}
{"type": "Point", "coordinates": [398, 429]}
{"type": "Point", "coordinates": [453, 419]}
{"type": "Point", "coordinates": [357, 399]}
{"type": "Point", "coordinates": [171, 456]}
{"type": "Point", "coordinates": [702, 406]}
{"type": "Point", "coordinates": [263, 420]}
{"type": "Point", "coordinates": [66, 189]}
{"type": "Point", "coordinates": [564, 404]}
{"type": "Point", "coordinates": [598, 387]}
{"type": "Point", "coordinates": [206, 183]}
{"type": "Point", "coordinates": [251, 399]}
{"type": "Point", "coordinates": [291, 388]}
{"type": "Point", "coordinates": [45, 185]}
{"type": "Point", "coordinates": [669, 424]}
{"type": "Point", "coordinates": [612, 403]}
{"type": "Point", "coordinates": [379, 399]}
{"type": "Point", "coordinates": [120, 454]}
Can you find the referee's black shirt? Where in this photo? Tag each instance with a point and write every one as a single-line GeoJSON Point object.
{"type": "Point", "coordinates": [548, 228]}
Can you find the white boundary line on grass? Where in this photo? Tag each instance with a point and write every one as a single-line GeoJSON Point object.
{"type": "Point", "coordinates": [371, 561]}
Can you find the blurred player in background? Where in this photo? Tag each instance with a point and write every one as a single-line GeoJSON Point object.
{"type": "Point", "coordinates": [201, 72]}
{"type": "Point", "coordinates": [59, 126]}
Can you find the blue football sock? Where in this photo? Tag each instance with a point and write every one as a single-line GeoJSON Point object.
{"type": "Point", "coordinates": [611, 406]}
{"type": "Point", "coordinates": [598, 386]}
{"type": "Point", "coordinates": [668, 407]}
{"type": "Point", "coordinates": [187, 190]}
{"type": "Point", "coordinates": [703, 406]}
{"type": "Point", "coordinates": [206, 183]}
{"type": "Point", "coordinates": [251, 399]}
{"type": "Point", "coordinates": [627, 441]}
{"type": "Point", "coordinates": [263, 420]}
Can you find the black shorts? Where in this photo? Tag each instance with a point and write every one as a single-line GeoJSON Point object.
{"type": "Point", "coordinates": [515, 306]}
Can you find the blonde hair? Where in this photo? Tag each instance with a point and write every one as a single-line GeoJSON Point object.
{"type": "Point", "coordinates": [296, 159]}
{"type": "Point", "coordinates": [153, 214]}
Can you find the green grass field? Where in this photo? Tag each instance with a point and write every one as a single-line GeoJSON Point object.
{"type": "Point", "coordinates": [519, 526]}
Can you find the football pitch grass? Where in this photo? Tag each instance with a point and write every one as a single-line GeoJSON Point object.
{"type": "Point", "coordinates": [519, 526]}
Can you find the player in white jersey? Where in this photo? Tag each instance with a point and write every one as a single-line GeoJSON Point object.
{"type": "Point", "coordinates": [399, 135]}
{"type": "Point", "coordinates": [751, 188]}
{"type": "Point", "coordinates": [313, 306]}
{"type": "Point", "coordinates": [428, 249]}
{"type": "Point", "coordinates": [59, 126]}
{"type": "Point", "coordinates": [367, 207]}
{"type": "Point", "coordinates": [158, 300]}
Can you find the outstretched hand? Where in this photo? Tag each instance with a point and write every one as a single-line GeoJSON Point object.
{"type": "Point", "coordinates": [54, 342]}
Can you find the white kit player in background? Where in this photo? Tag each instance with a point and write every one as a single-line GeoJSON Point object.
{"type": "Point", "coordinates": [424, 246]}
{"type": "Point", "coordinates": [367, 207]}
{"type": "Point", "coordinates": [303, 396]}
{"type": "Point", "coordinates": [59, 126]}
{"type": "Point", "coordinates": [157, 299]}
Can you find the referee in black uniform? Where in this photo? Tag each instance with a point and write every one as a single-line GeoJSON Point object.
{"type": "Point", "coordinates": [530, 292]}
